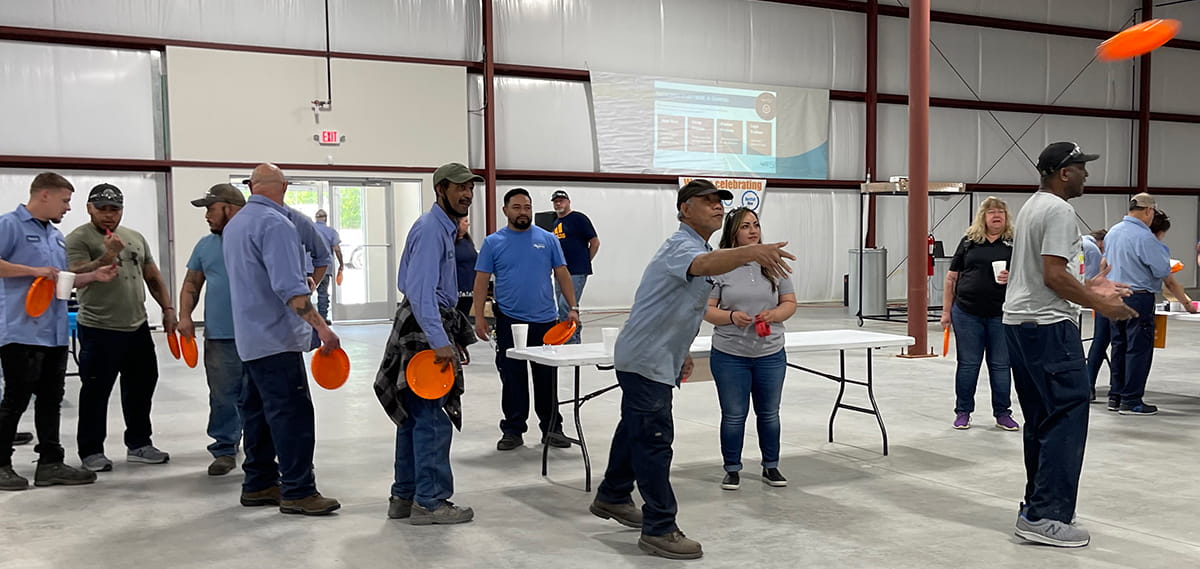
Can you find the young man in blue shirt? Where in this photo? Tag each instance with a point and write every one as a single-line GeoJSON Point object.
{"type": "Point", "coordinates": [652, 358]}
{"type": "Point", "coordinates": [1138, 258]}
{"type": "Point", "coordinates": [579, 246]}
{"type": "Point", "coordinates": [33, 350]}
{"type": "Point", "coordinates": [222, 366]}
{"type": "Point", "coordinates": [273, 320]}
{"type": "Point", "coordinates": [427, 320]}
{"type": "Point", "coordinates": [523, 257]}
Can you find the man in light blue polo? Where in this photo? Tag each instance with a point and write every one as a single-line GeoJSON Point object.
{"type": "Point", "coordinates": [1142, 261]}
{"type": "Point", "coordinates": [33, 350]}
{"type": "Point", "coordinates": [222, 366]}
{"type": "Point", "coordinates": [652, 358]}
{"type": "Point", "coordinates": [334, 242]}
{"type": "Point", "coordinates": [272, 319]}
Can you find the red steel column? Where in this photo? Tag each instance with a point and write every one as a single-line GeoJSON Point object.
{"type": "Point", "coordinates": [1143, 135]}
{"type": "Point", "coordinates": [489, 118]}
{"type": "Point", "coordinates": [918, 173]}
{"type": "Point", "coordinates": [872, 114]}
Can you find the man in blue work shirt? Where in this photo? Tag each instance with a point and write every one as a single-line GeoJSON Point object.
{"type": "Point", "coordinates": [652, 358]}
{"type": "Point", "coordinates": [427, 320]}
{"type": "Point", "coordinates": [1142, 261]}
{"type": "Point", "coordinates": [33, 350]}
{"type": "Point", "coordinates": [222, 366]}
{"type": "Point", "coordinates": [272, 319]}
{"type": "Point", "coordinates": [315, 254]}
{"type": "Point", "coordinates": [334, 242]}
{"type": "Point", "coordinates": [1093, 254]}
{"type": "Point", "coordinates": [522, 256]}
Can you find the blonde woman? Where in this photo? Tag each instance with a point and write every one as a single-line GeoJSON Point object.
{"type": "Point", "coordinates": [973, 303]}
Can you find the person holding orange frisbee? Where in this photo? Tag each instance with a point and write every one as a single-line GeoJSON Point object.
{"type": "Point", "coordinates": [273, 319]}
{"type": "Point", "coordinates": [222, 366]}
{"type": "Point", "coordinates": [428, 320]}
{"type": "Point", "coordinates": [33, 351]}
{"type": "Point", "coordinates": [523, 257]}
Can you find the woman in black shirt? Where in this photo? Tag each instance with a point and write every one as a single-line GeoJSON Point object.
{"type": "Point", "coordinates": [974, 304]}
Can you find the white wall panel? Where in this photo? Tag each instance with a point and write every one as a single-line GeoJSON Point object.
{"type": "Point", "coordinates": [1009, 66]}
{"type": "Point", "coordinates": [1102, 14]}
{"type": "Point", "coordinates": [1175, 80]}
{"type": "Point", "coordinates": [964, 144]}
{"type": "Point", "coordinates": [543, 125]}
{"type": "Point", "coordinates": [847, 140]}
{"type": "Point", "coordinates": [1172, 150]}
{"type": "Point", "coordinates": [73, 101]}
{"type": "Point", "coordinates": [446, 29]}
{"type": "Point", "coordinates": [1186, 12]}
{"type": "Point", "coordinates": [729, 40]}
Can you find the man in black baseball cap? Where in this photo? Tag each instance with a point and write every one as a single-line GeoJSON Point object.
{"type": "Point", "coordinates": [700, 187]}
{"type": "Point", "coordinates": [106, 195]}
{"type": "Point", "coordinates": [1059, 155]}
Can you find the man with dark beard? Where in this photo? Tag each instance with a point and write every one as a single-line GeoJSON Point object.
{"type": "Point", "coordinates": [222, 366]}
{"type": "Point", "coordinates": [522, 257]}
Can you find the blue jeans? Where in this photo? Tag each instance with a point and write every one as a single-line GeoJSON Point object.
{"type": "Point", "coordinates": [1052, 385]}
{"type": "Point", "coordinates": [1101, 336]}
{"type": "Point", "coordinates": [976, 336]}
{"type": "Point", "coordinates": [226, 380]}
{"type": "Point", "coordinates": [577, 282]}
{"type": "Point", "coordinates": [739, 379]}
{"type": "Point", "coordinates": [641, 452]}
{"type": "Point", "coordinates": [323, 295]}
{"type": "Point", "coordinates": [1132, 350]}
{"type": "Point", "coordinates": [278, 413]}
{"type": "Point", "coordinates": [423, 453]}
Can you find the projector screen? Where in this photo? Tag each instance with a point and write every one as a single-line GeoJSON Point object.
{"type": "Point", "coordinates": [674, 126]}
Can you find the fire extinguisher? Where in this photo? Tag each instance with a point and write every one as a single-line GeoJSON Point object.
{"type": "Point", "coordinates": [930, 247]}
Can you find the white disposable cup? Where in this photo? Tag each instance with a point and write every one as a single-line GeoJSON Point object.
{"type": "Point", "coordinates": [65, 284]}
{"type": "Point", "coordinates": [520, 334]}
{"type": "Point", "coordinates": [1176, 306]}
{"type": "Point", "coordinates": [998, 266]}
{"type": "Point", "coordinates": [610, 339]}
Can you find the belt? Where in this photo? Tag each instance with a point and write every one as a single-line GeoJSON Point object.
{"type": "Point", "coordinates": [1142, 292]}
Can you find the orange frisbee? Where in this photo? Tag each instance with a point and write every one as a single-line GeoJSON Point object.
{"type": "Point", "coordinates": [426, 378]}
{"type": "Point", "coordinates": [338, 278]}
{"type": "Point", "coordinates": [331, 370]}
{"type": "Point", "coordinates": [39, 297]}
{"type": "Point", "coordinates": [945, 341]}
{"type": "Point", "coordinates": [173, 344]}
{"type": "Point", "coordinates": [187, 348]}
{"type": "Point", "coordinates": [1176, 265]}
{"type": "Point", "coordinates": [1138, 39]}
{"type": "Point", "coordinates": [559, 334]}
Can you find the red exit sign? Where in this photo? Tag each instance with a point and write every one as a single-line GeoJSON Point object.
{"type": "Point", "coordinates": [330, 137]}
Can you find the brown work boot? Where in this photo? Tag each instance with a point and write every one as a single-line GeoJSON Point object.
{"type": "Point", "coordinates": [674, 545]}
{"type": "Point", "coordinates": [315, 505]}
{"type": "Point", "coordinates": [266, 497]}
{"type": "Point", "coordinates": [625, 514]}
{"type": "Point", "coordinates": [399, 508]}
{"type": "Point", "coordinates": [221, 465]}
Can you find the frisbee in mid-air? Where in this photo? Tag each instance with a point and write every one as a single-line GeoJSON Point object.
{"type": "Point", "coordinates": [1138, 39]}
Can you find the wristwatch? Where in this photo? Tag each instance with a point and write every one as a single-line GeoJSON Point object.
{"type": "Point", "coordinates": [575, 308]}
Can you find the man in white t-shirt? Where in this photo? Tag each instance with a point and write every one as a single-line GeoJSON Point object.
{"type": "Point", "coordinates": [1045, 289]}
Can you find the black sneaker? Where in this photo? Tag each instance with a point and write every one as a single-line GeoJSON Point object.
{"type": "Point", "coordinates": [22, 439]}
{"type": "Point", "coordinates": [509, 442]}
{"type": "Point", "coordinates": [1138, 408]}
{"type": "Point", "coordinates": [732, 481]}
{"type": "Point", "coordinates": [773, 478]}
{"type": "Point", "coordinates": [10, 480]}
{"type": "Point", "coordinates": [56, 473]}
{"type": "Point", "coordinates": [1114, 403]}
{"type": "Point", "coordinates": [556, 440]}
{"type": "Point", "coordinates": [399, 508]}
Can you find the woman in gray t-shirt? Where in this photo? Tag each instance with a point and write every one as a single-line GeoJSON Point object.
{"type": "Point", "coordinates": [745, 303]}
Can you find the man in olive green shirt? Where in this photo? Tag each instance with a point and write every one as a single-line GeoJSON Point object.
{"type": "Point", "coordinates": [114, 335]}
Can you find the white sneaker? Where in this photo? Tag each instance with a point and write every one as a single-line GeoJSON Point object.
{"type": "Point", "coordinates": [1052, 532]}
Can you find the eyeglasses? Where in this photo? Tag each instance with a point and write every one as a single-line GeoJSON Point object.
{"type": "Point", "coordinates": [1074, 152]}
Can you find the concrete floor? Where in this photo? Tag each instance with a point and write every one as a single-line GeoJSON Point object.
{"type": "Point", "coordinates": [943, 498]}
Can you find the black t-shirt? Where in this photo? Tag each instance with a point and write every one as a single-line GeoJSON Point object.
{"type": "Point", "coordinates": [573, 232]}
{"type": "Point", "coordinates": [977, 291]}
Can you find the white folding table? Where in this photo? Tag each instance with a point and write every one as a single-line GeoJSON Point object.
{"type": "Point", "coordinates": [580, 355]}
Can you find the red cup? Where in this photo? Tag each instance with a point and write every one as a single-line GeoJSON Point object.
{"type": "Point", "coordinates": [762, 327]}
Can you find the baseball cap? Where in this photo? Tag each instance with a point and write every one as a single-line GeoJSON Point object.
{"type": "Point", "coordinates": [700, 187]}
{"type": "Point", "coordinates": [456, 173]}
{"type": "Point", "coordinates": [1143, 200]}
{"type": "Point", "coordinates": [106, 195]}
{"type": "Point", "coordinates": [1060, 154]}
{"type": "Point", "coordinates": [221, 193]}
{"type": "Point", "coordinates": [559, 194]}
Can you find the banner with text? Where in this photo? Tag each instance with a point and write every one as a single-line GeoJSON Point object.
{"type": "Point", "coordinates": [747, 192]}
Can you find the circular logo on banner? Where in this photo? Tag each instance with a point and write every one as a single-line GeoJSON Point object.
{"type": "Point", "coordinates": [764, 104]}
{"type": "Point", "coordinates": [750, 199]}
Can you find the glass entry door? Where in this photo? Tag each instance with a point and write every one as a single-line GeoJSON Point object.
{"type": "Point", "coordinates": [362, 214]}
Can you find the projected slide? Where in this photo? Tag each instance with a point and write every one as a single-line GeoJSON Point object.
{"type": "Point", "coordinates": [710, 128]}
{"type": "Point", "coordinates": [665, 125]}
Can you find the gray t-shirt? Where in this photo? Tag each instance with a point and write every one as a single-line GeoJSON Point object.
{"type": "Point", "coordinates": [1045, 226]}
{"type": "Point", "coordinates": [745, 289]}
